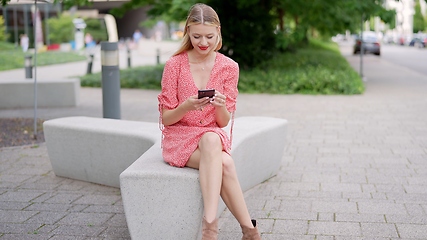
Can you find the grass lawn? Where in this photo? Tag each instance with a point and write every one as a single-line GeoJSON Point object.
{"type": "Point", "coordinates": [13, 58]}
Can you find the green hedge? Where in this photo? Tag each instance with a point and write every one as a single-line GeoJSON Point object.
{"type": "Point", "coordinates": [310, 71]}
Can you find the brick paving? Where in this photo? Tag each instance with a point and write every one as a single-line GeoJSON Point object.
{"type": "Point", "coordinates": [354, 167]}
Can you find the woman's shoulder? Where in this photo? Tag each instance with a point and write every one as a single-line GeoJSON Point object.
{"type": "Point", "coordinates": [227, 61]}
{"type": "Point", "coordinates": [177, 58]}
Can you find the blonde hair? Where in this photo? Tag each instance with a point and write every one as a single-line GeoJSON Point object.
{"type": "Point", "coordinates": [200, 14]}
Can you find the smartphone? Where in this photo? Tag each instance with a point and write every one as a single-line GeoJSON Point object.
{"type": "Point", "coordinates": [206, 93]}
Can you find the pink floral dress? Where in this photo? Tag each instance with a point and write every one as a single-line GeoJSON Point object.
{"type": "Point", "coordinates": [181, 139]}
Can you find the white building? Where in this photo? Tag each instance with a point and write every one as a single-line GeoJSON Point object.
{"type": "Point", "coordinates": [405, 10]}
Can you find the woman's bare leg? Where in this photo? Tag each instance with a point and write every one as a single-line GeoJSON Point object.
{"type": "Point", "coordinates": [232, 194]}
{"type": "Point", "coordinates": [218, 177]}
{"type": "Point", "coordinates": [209, 154]}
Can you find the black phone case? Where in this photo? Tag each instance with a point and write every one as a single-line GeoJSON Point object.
{"type": "Point", "coordinates": [206, 93]}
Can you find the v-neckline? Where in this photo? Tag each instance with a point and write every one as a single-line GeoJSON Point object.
{"type": "Point", "coordinates": [210, 74]}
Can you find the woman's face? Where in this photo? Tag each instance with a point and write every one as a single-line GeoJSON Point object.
{"type": "Point", "coordinates": [203, 37]}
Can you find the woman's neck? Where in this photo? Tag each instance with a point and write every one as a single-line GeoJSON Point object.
{"type": "Point", "coordinates": [195, 57]}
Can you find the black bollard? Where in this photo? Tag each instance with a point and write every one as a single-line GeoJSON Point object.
{"type": "Point", "coordinates": [158, 56]}
{"type": "Point", "coordinates": [90, 64]}
{"type": "Point", "coordinates": [28, 66]}
{"type": "Point", "coordinates": [128, 51]}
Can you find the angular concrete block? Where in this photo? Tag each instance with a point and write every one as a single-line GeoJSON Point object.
{"type": "Point", "coordinates": [96, 149]}
{"type": "Point", "coordinates": [20, 93]}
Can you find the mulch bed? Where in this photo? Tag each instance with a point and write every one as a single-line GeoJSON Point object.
{"type": "Point", "coordinates": [20, 131]}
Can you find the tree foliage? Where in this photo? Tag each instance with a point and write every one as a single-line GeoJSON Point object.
{"type": "Point", "coordinates": [66, 3]}
{"type": "Point", "coordinates": [247, 29]}
{"type": "Point", "coordinates": [330, 17]}
{"type": "Point", "coordinates": [254, 29]}
{"type": "Point", "coordinates": [61, 29]}
{"type": "Point", "coordinates": [3, 35]}
{"type": "Point", "coordinates": [247, 26]}
{"type": "Point", "coordinates": [419, 22]}
{"type": "Point", "coordinates": [168, 10]}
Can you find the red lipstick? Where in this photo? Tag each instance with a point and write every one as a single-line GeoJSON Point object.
{"type": "Point", "coordinates": [203, 48]}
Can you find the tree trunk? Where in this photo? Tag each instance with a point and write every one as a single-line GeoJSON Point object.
{"type": "Point", "coordinates": [281, 14]}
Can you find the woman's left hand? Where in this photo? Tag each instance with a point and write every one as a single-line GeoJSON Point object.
{"type": "Point", "coordinates": [219, 100]}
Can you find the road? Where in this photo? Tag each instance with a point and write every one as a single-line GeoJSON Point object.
{"type": "Point", "coordinates": [410, 57]}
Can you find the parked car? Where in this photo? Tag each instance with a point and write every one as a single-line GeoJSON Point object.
{"type": "Point", "coordinates": [419, 41]}
{"type": "Point", "coordinates": [371, 44]}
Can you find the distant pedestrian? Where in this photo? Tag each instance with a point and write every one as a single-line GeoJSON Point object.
{"type": "Point", "coordinates": [158, 36]}
{"type": "Point", "coordinates": [137, 35]}
{"type": "Point", "coordinates": [89, 40]}
{"type": "Point", "coordinates": [24, 42]}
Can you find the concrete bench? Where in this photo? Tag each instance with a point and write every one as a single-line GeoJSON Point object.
{"type": "Point", "coordinates": [160, 201]}
{"type": "Point", "coordinates": [96, 149]}
{"type": "Point", "coordinates": [58, 93]}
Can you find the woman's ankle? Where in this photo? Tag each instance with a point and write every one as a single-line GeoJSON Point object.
{"type": "Point", "coordinates": [249, 224]}
{"type": "Point", "coordinates": [209, 219]}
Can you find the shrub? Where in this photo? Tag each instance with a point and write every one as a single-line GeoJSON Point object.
{"type": "Point", "coordinates": [308, 71]}
{"type": "Point", "coordinates": [96, 28]}
{"type": "Point", "coordinates": [3, 35]}
{"type": "Point", "coordinates": [61, 29]}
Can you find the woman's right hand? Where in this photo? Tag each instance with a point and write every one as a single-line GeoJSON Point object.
{"type": "Point", "coordinates": [172, 116]}
{"type": "Point", "coordinates": [194, 103]}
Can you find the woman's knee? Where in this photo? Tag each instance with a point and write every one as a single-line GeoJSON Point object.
{"type": "Point", "coordinates": [210, 141]}
{"type": "Point", "coordinates": [228, 167]}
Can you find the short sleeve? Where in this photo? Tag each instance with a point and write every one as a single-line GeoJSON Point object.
{"type": "Point", "coordinates": [168, 97]}
{"type": "Point", "coordinates": [230, 86]}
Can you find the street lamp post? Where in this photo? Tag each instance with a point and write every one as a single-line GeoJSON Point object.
{"type": "Point", "coordinates": [110, 80]}
{"type": "Point", "coordinates": [362, 47]}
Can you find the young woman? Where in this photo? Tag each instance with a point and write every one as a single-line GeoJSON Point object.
{"type": "Point", "coordinates": [192, 127]}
